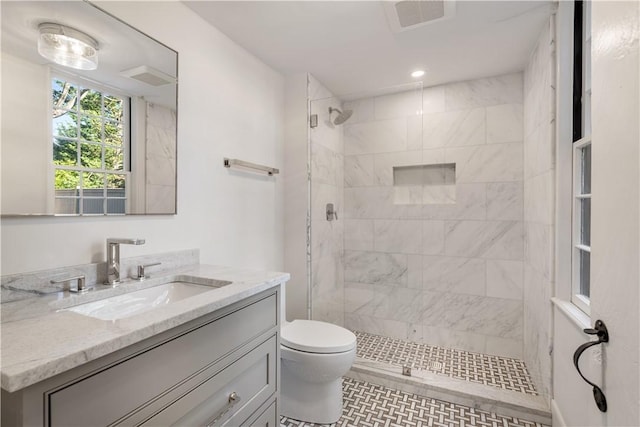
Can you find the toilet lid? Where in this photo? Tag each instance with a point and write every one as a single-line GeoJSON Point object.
{"type": "Point", "coordinates": [313, 336]}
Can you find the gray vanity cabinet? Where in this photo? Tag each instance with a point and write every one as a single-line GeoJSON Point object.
{"type": "Point", "coordinates": [220, 370]}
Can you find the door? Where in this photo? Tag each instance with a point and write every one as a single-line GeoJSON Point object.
{"type": "Point", "coordinates": [615, 216]}
{"type": "Point", "coordinates": [615, 224]}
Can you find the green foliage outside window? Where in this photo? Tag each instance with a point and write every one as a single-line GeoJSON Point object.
{"type": "Point", "coordinates": [88, 133]}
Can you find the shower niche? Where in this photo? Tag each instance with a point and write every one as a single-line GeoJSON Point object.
{"type": "Point", "coordinates": [433, 184]}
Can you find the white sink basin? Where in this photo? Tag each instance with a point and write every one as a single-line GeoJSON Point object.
{"type": "Point", "coordinates": [133, 303]}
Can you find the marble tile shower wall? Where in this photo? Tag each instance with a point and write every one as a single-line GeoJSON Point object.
{"type": "Point", "coordinates": [327, 270]}
{"type": "Point", "coordinates": [160, 159]}
{"type": "Point", "coordinates": [539, 197]}
{"type": "Point", "coordinates": [443, 274]}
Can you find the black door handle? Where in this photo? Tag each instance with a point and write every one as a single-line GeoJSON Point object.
{"type": "Point", "coordinates": [601, 331]}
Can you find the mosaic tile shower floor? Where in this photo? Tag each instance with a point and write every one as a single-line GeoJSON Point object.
{"type": "Point", "coordinates": [370, 405]}
{"type": "Point", "coordinates": [496, 371]}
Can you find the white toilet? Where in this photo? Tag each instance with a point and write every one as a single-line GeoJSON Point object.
{"type": "Point", "coordinates": [314, 357]}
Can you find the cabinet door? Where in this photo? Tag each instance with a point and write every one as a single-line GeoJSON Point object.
{"type": "Point", "coordinates": [229, 397]}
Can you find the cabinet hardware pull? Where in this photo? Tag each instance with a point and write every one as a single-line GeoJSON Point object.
{"type": "Point", "coordinates": [234, 399]}
{"type": "Point", "coordinates": [601, 331]}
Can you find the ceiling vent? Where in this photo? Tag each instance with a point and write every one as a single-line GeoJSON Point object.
{"type": "Point", "coordinates": [409, 14]}
{"type": "Point", "coordinates": [149, 75]}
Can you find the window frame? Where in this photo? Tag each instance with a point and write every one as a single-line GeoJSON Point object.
{"type": "Point", "coordinates": [56, 74]}
{"type": "Point", "coordinates": [581, 140]}
{"type": "Point", "coordinates": [578, 297]}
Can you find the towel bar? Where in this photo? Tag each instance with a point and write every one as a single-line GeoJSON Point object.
{"type": "Point", "coordinates": [228, 163]}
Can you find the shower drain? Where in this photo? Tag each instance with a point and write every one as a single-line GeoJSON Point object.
{"type": "Point", "coordinates": [433, 366]}
{"type": "Point", "coordinates": [427, 365]}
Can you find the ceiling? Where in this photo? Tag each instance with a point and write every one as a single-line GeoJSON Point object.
{"type": "Point", "coordinates": [350, 47]}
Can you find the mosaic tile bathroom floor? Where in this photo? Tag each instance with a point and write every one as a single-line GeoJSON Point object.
{"type": "Point", "coordinates": [370, 405]}
{"type": "Point", "coordinates": [497, 371]}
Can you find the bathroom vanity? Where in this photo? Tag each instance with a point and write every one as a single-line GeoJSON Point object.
{"type": "Point", "coordinates": [209, 360]}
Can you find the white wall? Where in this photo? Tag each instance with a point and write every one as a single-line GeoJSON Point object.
{"type": "Point", "coordinates": [26, 148]}
{"type": "Point", "coordinates": [230, 104]}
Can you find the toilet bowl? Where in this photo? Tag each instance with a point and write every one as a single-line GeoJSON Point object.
{"type": "Point", "coordinates": [314, 356]}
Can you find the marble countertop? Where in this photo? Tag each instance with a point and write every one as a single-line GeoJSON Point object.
{"type": "Point", "coordinates": [40, 339]}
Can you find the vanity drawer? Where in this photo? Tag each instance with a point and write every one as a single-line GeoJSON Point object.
{"type": "Point", "coordinates": [266, 418]}
{"type": "Point", "coordinates": [251, 380]}
{"type": "Point", "coordinates": [111, 394]}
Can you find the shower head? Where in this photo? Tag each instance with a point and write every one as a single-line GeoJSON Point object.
{"type": "Point", "coordinates": [342, 116]}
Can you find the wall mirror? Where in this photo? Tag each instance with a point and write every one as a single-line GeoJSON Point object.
{"type": "Point", "coordinates": [80, 141]}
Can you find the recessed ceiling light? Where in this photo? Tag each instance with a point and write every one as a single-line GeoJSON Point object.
{"type": "Point", "coordinates": [417, 73]}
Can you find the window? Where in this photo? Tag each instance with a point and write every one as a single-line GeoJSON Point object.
{"type": "Point", "coordinates": [90, 149]}
{"type": "Point", "coordinates": [581, 215]}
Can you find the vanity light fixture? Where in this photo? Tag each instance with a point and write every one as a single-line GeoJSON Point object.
{"type": "Point", "coordinates": [418, 73]}
{"type": "Point", "coordinates": [67, 46]}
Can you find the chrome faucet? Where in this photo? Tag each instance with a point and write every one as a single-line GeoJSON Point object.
{"type": "Point", "coordinates": [113, 258]}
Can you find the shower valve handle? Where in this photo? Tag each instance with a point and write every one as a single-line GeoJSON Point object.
{"type": "Point", "coordinates": [331, 212]}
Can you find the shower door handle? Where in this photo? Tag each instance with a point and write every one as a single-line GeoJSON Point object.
{"type": "Point", "coordinates": [601, 331]}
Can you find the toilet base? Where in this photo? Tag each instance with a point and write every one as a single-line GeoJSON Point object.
{"type": "Point", "coordinates": [312, 402]}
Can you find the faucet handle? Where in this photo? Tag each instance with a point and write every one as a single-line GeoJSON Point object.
{"type": "Point", "coordinates": [80, 283]}
{"type": "Point", "coordinates": [141, 274]}
{"type": "Point", "coordinates": [125, 241]}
